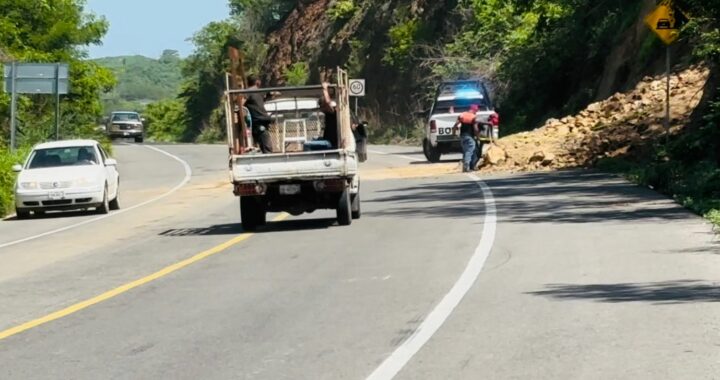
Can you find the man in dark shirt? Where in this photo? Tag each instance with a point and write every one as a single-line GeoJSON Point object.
{"type": "Point", "coordinates": [261, 120]}
{"type": "Point", "coordinates": [468, 130]}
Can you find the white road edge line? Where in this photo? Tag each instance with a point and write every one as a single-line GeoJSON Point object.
{"type": "Point", "coordinates": [186, 179]}
{"type": "Point", "coordinates": [437, 317]}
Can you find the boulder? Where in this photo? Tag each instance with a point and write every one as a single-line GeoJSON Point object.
{"type": "Point", "coordinates": [548, 159]}
{"type": "Point", "coordinates": [537, 157]}
{"type": "Point", "coordinates": [495, 155]}
{"type": "Point", "coordinates": [563, 130]}
{"type": "Point", "coordinates": [595, 107]}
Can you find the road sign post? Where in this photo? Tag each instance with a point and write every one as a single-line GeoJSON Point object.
{"type": "Point", "coordinates": [665, 21]}
{"type": "Point", "coordinates": [35, 78]}
{"type": "Point", "coordinates": [13, 105]}
{"type": "Point", "coordinates": [57, 101]}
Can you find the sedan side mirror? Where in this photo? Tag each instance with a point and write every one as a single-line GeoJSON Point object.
{"type": "Point", "coordinates": [17, 168]}
{"type": "Point", "coordinates": [110, 162]}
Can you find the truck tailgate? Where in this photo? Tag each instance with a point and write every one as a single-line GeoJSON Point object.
{"type": "Point", "coordinates": [293, 166]}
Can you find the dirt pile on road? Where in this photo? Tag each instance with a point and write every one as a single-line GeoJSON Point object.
{"type": "Point", "coordinates": [623, 125]}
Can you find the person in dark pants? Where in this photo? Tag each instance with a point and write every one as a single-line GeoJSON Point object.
{"type": "Point", "coordinates": [360, 133]}
{"type": "Point", "coordinates": [467, 122]}
{"type": "Point", "coordinates": [261, 120]}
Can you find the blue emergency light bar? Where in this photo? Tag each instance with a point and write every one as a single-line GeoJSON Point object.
{"type": "Point", "coordinates": [468, 93]}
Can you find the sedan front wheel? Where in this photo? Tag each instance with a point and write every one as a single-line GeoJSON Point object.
{"type": "Point", "coordinates": [104, 208]}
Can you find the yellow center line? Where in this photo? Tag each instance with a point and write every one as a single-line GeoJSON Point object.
{"type": "Point", "coordinates": [129, 286]}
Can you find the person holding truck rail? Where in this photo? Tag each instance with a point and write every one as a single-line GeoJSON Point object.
{"type": "Point", "coordinates": [255, 103]}
{"type": "Point", "coordinates": [329, 109]}
{"type": "Point", "coordinates": [467, 122]}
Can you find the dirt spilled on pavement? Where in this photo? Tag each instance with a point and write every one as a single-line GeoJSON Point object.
{"type": "Point", "coordinates": [420, 170]}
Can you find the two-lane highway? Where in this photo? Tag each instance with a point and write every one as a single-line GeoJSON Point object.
{"type": "Point", "coordinates": [565, 275]}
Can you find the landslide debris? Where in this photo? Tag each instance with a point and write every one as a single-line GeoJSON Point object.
{"type": "Point", "coordinates": [625, 124]}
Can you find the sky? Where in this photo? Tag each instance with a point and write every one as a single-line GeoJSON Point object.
{"type": "Point", "coordinates": [147, 27]}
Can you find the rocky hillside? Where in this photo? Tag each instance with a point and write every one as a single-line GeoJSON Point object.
{"type": "Point", "coordinates": [624, 125]}
{"type": "Point", "coordinates": [354, 35]}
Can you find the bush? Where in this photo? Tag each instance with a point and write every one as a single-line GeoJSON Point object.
{"type": "Point", "coordinates": [297, 74]}
{"type": "Point", "coordinates": [210, 136]}
{"type": "Point", "coordinates": [167, 120]}
{"type": "Point", "coordinates": [342, 10]}
{"type": "Point", "coordinates": [7, 178]}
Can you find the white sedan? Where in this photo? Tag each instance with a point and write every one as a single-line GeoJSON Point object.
{"type": "Point", "coordinates": [67, 175]}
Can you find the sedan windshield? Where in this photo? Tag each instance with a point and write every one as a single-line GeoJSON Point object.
{"type": "Point", "coordinates": [125, 117]}
{"type": "Point", "coordinates": [56, 157]}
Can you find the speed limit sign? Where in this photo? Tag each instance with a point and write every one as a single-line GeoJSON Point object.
{"type": "Point", "coordinates": [357, 87]}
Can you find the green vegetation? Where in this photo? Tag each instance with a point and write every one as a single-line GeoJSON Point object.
{"type": "Point", "coordinates": [297, 74]}
{"type": "Point", "coordinates": [142, 80]}
{"type": "Point", "coordinates": [196, 113]}
{"type": "Point", "coordinates": [688, 168]}
{"type": "Point", "coordinates": [7, 178]}
{"type": "Point", "coordinates": [342, 10]}
{"type": "Point", "coordinates": [165, 120]}
{"type": "Point", "coordinates": [50, 31]}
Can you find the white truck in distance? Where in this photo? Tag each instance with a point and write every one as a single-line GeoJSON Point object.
{"type": "Point", "coordinates": [301, 175]}
{"type": "Point", "coordinates": [452, 99]}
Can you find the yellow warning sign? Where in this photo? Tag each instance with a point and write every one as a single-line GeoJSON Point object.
{"type": "Point", "coordinates": [666, 22]}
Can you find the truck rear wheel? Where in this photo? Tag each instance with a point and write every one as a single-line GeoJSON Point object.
{"type": "Point", "coordinates": [355, 206]}
{"type": "Point", "coordinates": [431, 153]}
{"type": "Point", "coordinates": [252, 213]}
{"type": "Point", "coordinates": [344, 209]}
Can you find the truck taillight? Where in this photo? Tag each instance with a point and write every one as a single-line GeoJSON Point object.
{"type": "Point", "coordinates": [494, 119]}
{"type": "Point", "coordinates": [249, 189]}
{"type": "Point", "coordinates": [330, 186]}
{"type": "Point", "coordinates": [433, 126]}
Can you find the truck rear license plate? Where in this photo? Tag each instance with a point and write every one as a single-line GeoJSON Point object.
{"type": "Point", "coordinates": [289, 189]}
{"type": "Point", "coordinates": [56, 195]}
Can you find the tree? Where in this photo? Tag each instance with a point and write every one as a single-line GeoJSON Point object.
{"type": "Point", "coordinates": [265, 14]}
{"type": "Point", "coordinates": [54, 31]}
{"type": "Point", "coordinates": [170, 57]}
{"type": "Point", "coordinates": [204, 73]}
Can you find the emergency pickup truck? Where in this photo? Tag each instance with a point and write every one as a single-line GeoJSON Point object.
{"type": "Point", "coordinates": [304, 173]}
{"type": "Point", "coordinates": [452, 99]}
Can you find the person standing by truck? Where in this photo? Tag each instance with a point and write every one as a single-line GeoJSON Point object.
{"type": "Point", "coordinates": [467, 122]}
{"type": "Point", "coordinates": [261, 120]}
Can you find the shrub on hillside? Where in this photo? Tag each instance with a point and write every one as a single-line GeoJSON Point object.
{"type": "Point", "coordinates": [7, 178]}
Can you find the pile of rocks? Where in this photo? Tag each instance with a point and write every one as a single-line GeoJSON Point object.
{"type": "Point", "coordinates": [618, 126]}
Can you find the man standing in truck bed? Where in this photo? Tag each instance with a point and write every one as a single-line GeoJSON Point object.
{"type": "Point", "coordinates": [261, 120]}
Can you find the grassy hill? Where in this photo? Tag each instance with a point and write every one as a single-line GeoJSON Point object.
{"type": "Point", "coordinates": [142, 80]}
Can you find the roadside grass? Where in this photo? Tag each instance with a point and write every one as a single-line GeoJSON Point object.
{"type": "Point", "coordinates": [7, 178]}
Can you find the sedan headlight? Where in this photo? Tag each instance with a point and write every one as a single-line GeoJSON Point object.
{"type": "Point", "coordinates": [83, 182]}
{"type": "Point", "coordinates": [29, 185]}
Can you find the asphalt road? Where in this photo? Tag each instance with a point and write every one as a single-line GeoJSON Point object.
{"type": "Point", "coordinates": [571, 275]}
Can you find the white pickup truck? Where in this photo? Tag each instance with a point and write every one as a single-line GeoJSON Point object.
{"type": "Point", "coordinates": [304, 173]}
{"type": "Point", "coordinates": [452, 99]}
